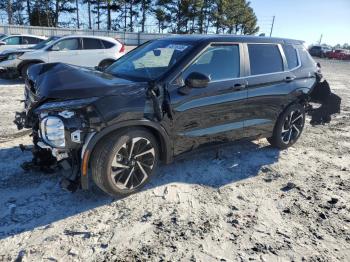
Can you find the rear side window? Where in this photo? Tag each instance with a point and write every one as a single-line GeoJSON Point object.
{"type": "Point", "coordinates": [13, 40]}
{"type": "Point", "coordinates": [291, 55]}
{"type": "Point", "coordinates": [92, 43]}
{"type": "Point", "coordinates": [264, 59]}
{"type": "Point", "coordinates": [107, 44]}
{"type": "Point", "coordinates": [219, 62]}
{"type": "Point", "coordinates": [27, 40]}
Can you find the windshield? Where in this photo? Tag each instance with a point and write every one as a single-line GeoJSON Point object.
{"type": "Point", "coordinates": [45, 43]}
{"type": "Point", "coordinates": [150, 61]}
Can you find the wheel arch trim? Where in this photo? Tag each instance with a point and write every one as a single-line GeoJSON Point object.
{"type": "Point", "coordinates": [87, 150]}
{"type": "Point", "coordinates": [29, 61]}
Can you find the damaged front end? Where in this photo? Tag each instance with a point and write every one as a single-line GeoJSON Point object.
{"type": "Point", "coordinates": [59, 130]}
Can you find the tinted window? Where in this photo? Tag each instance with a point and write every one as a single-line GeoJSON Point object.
{"type": "Point", "coordinates": [91, 43]}
{"type": "Point", "coordinates": [67, 44]}
{"type": "Point", "coordinates": [264, 59]}
{"type": "Point", "coordinates": [217, 62]}
{"type": "Point", "coordinates": [107, 44]}
{"type": "Point", "coordinates": [14, 40]}
{"type": "Point", "coordinates": [30, 40]}
{"type": "Point", "coordinates": [291, 56]}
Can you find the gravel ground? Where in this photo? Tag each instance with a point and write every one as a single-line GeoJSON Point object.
{"type": "Point", "coordinates": [252, 203]}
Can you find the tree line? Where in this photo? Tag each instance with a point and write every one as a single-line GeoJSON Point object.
{"type": "Point", "coordinates": [174, 16]}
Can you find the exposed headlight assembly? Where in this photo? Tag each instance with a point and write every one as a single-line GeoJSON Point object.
{"type": "Point", "coordinates": [14, 56]}
{"type": "Point", "coordinates": [68, 104]}
{"type": "Point", "coordinates": [52, 131]}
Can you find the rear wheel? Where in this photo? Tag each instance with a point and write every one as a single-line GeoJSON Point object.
{"type": "Point", "coordinates": [125, 161]}
{"type": "Point", "coordinates": [289, 127]}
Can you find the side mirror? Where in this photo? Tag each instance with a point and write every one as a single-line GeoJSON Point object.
{"type": "Point", "coordinates": [54, 48]}
{"type": "Point", "coordinates": [197, 80]}
{"type": "Point", "coordinates": [2, 43]}
{"type": "Point", "coordinates": [194, 80]}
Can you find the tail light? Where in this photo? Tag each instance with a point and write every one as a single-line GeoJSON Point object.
{"type": "Point", "coordinates": [122, 49]}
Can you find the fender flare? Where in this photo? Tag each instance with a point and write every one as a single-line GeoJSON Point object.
{"type": "Point", "coordinates": [157, 129]}
{"type": "Point", "coordinates": [25, 62]}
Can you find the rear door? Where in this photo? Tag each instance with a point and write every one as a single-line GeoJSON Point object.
{"type": "Point", "coordinates": [12, 42]}
{"type": "Point", "coordinates": [29, 41]}
{"type": "Point", "coordinates": [215, 113]}
{"type": "Point", "coordinates": [92, 52]}
{"type": "Point", "coordinates": [269, 87]}
{"type": "Point", "coordinates": [66, 51]}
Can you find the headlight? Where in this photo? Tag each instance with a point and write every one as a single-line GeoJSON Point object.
{"type": "Point", "coordinates": [14, 56]}
{"type": "Point", "coordinates": [52, 131]}
{"type": "Point", "coordinates": [66, 104]}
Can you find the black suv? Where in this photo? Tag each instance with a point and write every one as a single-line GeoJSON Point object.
{"type": "Point", "coordinates": [165, 98]}
{"type": "Point", "coordinates": [319, 51]}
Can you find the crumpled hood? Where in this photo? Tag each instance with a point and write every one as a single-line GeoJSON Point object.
{"type": "Point", "coordinates": [62, 81]}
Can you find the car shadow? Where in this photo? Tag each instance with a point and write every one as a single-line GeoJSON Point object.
{"type": "Point", "coordinates": [35, 200]}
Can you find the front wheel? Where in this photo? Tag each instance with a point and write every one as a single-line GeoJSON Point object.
{"type": "Point", "coordinates": [123, 162]}
{"type": "Point", "coordinates": [289, 127]}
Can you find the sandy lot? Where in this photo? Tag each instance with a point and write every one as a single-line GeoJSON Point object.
{"type": "Point", "coordinates": [253, 203]}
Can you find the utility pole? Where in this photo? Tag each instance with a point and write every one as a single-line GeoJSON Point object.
{"type": "Point", "coordinates": [319, 42]}
{"type": "Point", "coordinates": [77, 6]}
{"type": "Point", "coordinates": [9, 11]}
{"type": "Point", "coordinates": [273, 22]}
{"type": "Point", "coordinates": [89, 10]}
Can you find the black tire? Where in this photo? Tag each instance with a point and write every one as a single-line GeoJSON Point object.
{"type": "Point", "coordinates": [117, 171]}
{"type": "Point", "coordinates": [105, 63]}
{"type": "Point", "coordinates": [24, 70]}
{"type": "Point", "coordinates": [288, 127]}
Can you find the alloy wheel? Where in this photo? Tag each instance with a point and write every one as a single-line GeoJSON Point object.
{"type": "Point", "coordinates": [292, 126]}
{"type": "Point", "coordinates": [133, 163]}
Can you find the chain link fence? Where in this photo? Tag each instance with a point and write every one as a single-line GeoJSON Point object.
{"type": "Point", "coordinates": [128, 38]}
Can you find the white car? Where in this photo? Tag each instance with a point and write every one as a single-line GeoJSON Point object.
{"type": "Point", "coordinates": [9, 59]}
{"type": "Point", "coordinates": [19, 41]}
{"type": "Point", "coordinates": [87, 51]}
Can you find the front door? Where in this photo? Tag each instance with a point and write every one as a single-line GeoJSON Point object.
{"type": "Point", "coordinates": [215, 113]}
{"type": "Point", "coordinates": [66, 51]}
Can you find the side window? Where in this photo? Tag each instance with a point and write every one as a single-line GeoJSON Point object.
{"type": "Point", "coordinates": [30, 40]}
{"type": "Point", "coordinates": [14, 40]}
{"type": "Point", "coordinates": [264, 59]}
{"type": "Point", "coordinates": [291, 55]}
{"type": "Point", "coordinates": [219, 62]}
{"type": "Point", "coordinates": [91, 43]}
{"type": "Point", "coordinates": [107, 44]}
{"type": "Point", "coordinates": [67, 44]}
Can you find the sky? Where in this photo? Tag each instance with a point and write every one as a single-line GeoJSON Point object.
{"type": "Point", "coordinates": [305, 19]}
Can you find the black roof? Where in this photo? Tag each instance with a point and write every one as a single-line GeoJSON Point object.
{"type": "Point", "coordinates": [232, 38]}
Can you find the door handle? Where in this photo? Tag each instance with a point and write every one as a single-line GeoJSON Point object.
{"type": "Point", "coordinates": [289, 78]}
{"type": "Point", "coordinates": [238, 87]}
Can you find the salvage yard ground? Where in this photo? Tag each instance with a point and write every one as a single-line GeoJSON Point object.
{"type": "Point", "coordinates": [253, 202]}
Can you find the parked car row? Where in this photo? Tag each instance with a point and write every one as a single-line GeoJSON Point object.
{"type": "Point", "coordinates": [87, 51]}
{"type": "Point", "coordinates": [327, 52]}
